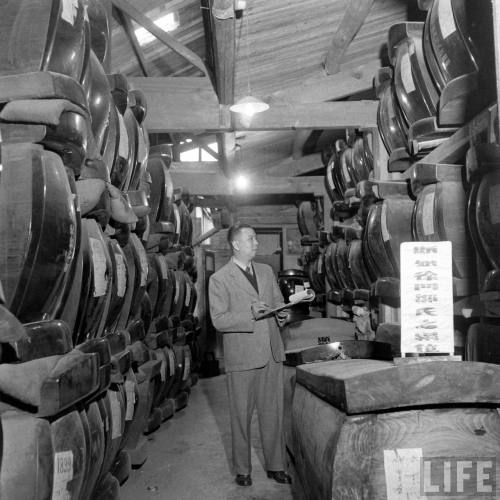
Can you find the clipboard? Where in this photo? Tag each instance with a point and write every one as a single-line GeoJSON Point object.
{"type": "Point", "coordinates": [306, 295]}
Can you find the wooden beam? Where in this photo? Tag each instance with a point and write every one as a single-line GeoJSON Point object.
{"type": "Point", "coordinates": [227, 149]}
{"type": "Point", "coordinates": [189, 104]}
{"type": "Point", "coordinates": [326, 115]}
{"type": "Point", "coordinates": [354, 17]}
{"type": "Point", "coordinates": [163, 36]}
{"type": "Point", "coordinates": [181, 104]}
{"type": "Point", "coordinates": [453, 150]}
{"type": "Point", "coordinates": [321, 87]}
{"type": "Point", "coordinates": [223, 27]}
{"type": "Point", "coordinates": [195, 167]}
{"type": "Point", "coordinates": [216, 184]}
{"type": "Point", "coordinates": [290, 167]}
{"type": "Point", "coordinates": [124, 20]}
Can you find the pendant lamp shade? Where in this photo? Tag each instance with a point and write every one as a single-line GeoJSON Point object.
{"type": "Point", "coordinates": [249, 105]}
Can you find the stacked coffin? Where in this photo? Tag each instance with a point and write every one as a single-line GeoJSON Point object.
{"type": "Point", "coordinates": [483, 163]}
{"type": "Point", "coordinates": [437, 80]}
{"type": "Point", "coordinates": [361, 425]}
{"type": "Point", "coordinates": [98, 338]}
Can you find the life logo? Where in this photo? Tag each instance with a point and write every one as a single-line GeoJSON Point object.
{"type": "Point", "coordinates": [464, 477]}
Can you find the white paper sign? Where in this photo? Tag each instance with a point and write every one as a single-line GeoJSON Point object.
{"type": "Point", "coordinates": [406, 74]}
{"type": "Point", "coordinates": [402, 473]}
{"type": "Point", "coordinates": [99, 262]}
{"type": "Point", "coordinates": [116, 415]}
{"type": "Point", "coordinates": [445, 16]}
{"type": "Point", "coordinates": [171, 362]}
{"type": "Point", "coordinates": [426, 298]}
{"type": "Point", "coordinates": [63, 474]}
{"type": "Point", "coordinates": [69, 11]}
{"type": "Point", "coordinates": [121, 275]}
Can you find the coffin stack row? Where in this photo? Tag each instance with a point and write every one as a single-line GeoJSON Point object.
{"type": "Point", "coordinates": [98, 338]}
{"type": "Point", "coordinates": [438, 78]}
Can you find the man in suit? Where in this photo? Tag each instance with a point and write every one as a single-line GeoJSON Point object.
{"type": "Point", "coordinates": [239, 293]}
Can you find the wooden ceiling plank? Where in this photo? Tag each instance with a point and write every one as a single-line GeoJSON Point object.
{"type": "Point", "coordinates": [181, 104]}
{"type": "Point", "coordinates": [216, 184]}
{"type": "Point", "coordinates": [323, 115]}
{"type": "Point", "coordinates": [322, 87]}
{"type": "Point", "coordinates": [354, 17]}
{"type": "Point", "coordinates": [290, 167]}
{"type": "Point", "coordinates": [124, 20]}
{"type": "Point", "coordinates": [162, 35]}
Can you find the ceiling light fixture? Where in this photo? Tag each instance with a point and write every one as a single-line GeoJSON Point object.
{"type": "Point", "coordinates": [248, 105]}
{"type": "Point", "coordinates": [241, 182]}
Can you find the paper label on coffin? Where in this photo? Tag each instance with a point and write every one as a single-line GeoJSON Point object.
{"type": "Point", "coordinates": [63, 474]}
{"type": "Point", "coordinates": [99, 264]}
{"type": "Point", "coordinates": [123, 144]}
{"type": "Point", "coordinates": [426, 298]}
{"type": "Point", "coordinates": [143, 259]}
{"type": "Point", "coordinates": [406, 74]}
{"type": "Point", "coordinates": [69, 11]}
{"type": "Point", "coordinates": [494, 203]}
{"type": "Point", "coordinates": [121, 275]}
{"type": "Point", "coordinates": [188, 295]}
{"type": "Point", "coordinates": [163, 266]}
{"type": "Point", "coordinates": [383, 223]}
{"type": "Point", "coordinates": [130, 393]}
{"type": "Point", "coordinates": [428, 214]}
{"type": "Point", "coordinates": [177, 289]}
{"type": "Point", "coordinates": [446, 20]}
{"type": "Point", "coordinates": [116, 415]}
{"type": "Point", "coordinates": [171, 362]}
{"type": "Point", "coordinates": [402, 473]}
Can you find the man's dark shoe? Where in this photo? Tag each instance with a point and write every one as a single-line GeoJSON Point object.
{"type": "Point", "coordinates": [243, 480]}
{"type": "Point", "coordinates": [279, 476]}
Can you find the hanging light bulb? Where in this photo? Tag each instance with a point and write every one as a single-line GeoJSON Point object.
{"type": "Point", "coordinates": [248, 105]}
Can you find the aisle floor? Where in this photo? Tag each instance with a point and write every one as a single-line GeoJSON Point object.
{"type": "Point", "coordinates": [189, 455]}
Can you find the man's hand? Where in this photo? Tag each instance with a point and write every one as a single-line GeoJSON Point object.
{"type": "Point", "coordinates": [259, 309]}
{"type": "Point", "coordinates": [282, 317]}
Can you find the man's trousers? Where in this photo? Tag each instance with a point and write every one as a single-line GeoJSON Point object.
{"type": "Point", "coordinates": [260, 388]}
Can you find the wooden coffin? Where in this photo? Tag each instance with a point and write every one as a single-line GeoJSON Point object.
{"type": "Point", "coordinates": [388, 225]}
{"type": "Point", "coordinates": [100, 347]}
{"type": "Point", "coordinates": [440, 215]}
{"type": "Point", "coordinates": [38, 225]}
{"type": "Point", "coordinates": [112, 408]}
{"type": "Point", "coordinates": [47, 385]}
{"type": "Point", "coordinates": [27, 457]}
{"type": "Point", "coordinates": [95, 448]}
{"type": "Point", "coordinates": [362, 427]}
{"type": "Point", "coordinates": [68, 440]}
{"type": "Point", "coordinates": [44, 36]}
{"type": "Point", "coordinates": [43, 338]}
{"type": "Point", "coordinates": [99, 264]}
{"type": "Point", "coordinates": [100, 31]}
{"type": "Point", "coordinates": [98, 96]}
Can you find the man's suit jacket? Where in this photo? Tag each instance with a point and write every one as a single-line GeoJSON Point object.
{"type": "Point", "coordinates": [247, 343]}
